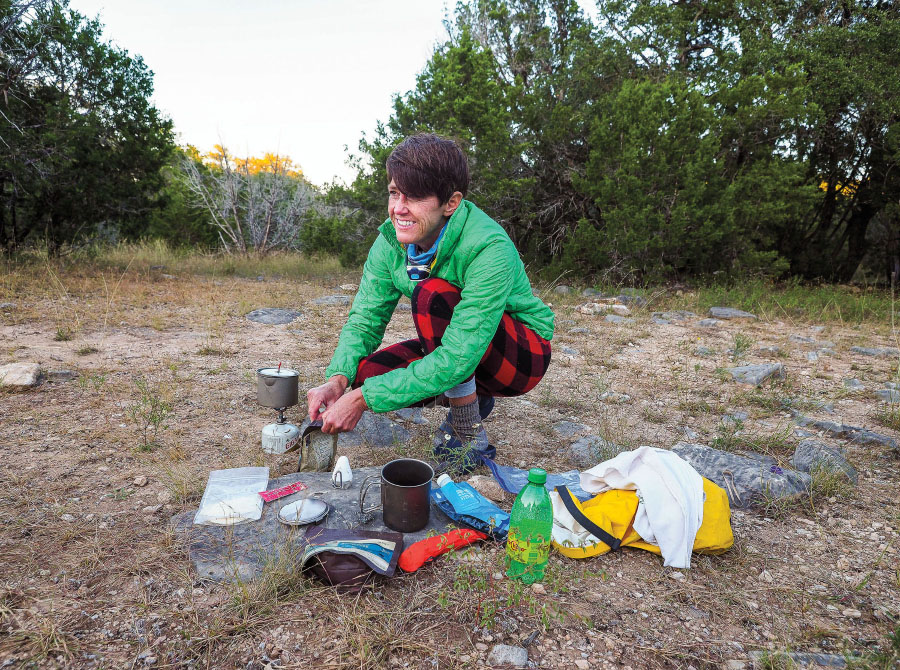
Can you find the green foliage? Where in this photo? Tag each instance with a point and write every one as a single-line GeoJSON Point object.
{"type": "Point", "coordinates": [668, 139]}
{"type": "Point", "coordinates": [149, 411]}
{"type": "Point", "coordinates": [82, 144]}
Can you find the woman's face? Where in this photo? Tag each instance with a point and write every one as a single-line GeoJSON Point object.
{"type": "Point", "coordinates": [419, 220]}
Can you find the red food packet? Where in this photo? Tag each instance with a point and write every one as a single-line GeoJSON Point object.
{"type": "Point", "coordinates": [275, 494]}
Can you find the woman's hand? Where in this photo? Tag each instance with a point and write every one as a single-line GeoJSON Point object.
{"type": "Point", "coordinates": [344, 414]}
{"type": "Point", "coordinates": [327, 394]}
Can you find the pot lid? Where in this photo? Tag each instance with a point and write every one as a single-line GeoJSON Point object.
{"type": "Point", "coordinates": [276, 372]}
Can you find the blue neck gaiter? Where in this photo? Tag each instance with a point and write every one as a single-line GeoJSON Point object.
{"type": "Point", "coordinates": [417, 257]}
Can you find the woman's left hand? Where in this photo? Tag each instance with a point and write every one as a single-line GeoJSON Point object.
{"type": "Point", "coordinates": [344, 414]}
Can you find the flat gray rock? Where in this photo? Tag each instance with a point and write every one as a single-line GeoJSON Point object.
{"type": "Point", "coordinates": [700, 350]}
{"type": "Point", "coordinates": [61, 375]}
{"type": "Point", "coordinates": [735, 417]}
{"type": "Point", "coordinates": [568, 428]}
{"type": "Point", "coordinates": [799, 659]}
{"type": "Point", "coordinates": [659, 321]}
{"type": "Point", "coordinates": [332, 300]}
{"type": "Point", "coordinates": [568, 351]}
{"type": "Point", "coordinates": [886, 352]}
{"type": "Point", "coordinates": [585, 331]}
{"type": "Point", "coordinates": [852, 433]}
{"type": "Point", "coordinates": [892, 385]}
{"type": "Point", "coordinates": [854, 384]}
{"type": "Point", "coordinates": [20, 375]}
{"type": "Point", "coordinates": [801, 339]}
{"type": "Point", "coordinates": [562, 289]}
{"type": "Point", "coordinates": [631, 297]}
{"type": "Point", "coordinates": [239, 553]}
{"type": "Point", "coordinates": [748, 480]}
{"type": "Point", "coordinates": [689, 433]}
{"type": "Point", "coordinates": [273, 316]}
{"type": "Point", "coordinates": [508, 656]}
{"type": "Point", "coordinates": [591, 450]}
{"type": "Point", "coordinates": [591, 293]}
{"type": "Point", "coordinates": [771, 350]}
{"type": "Point", "coordinates": [403, 306]}
{"type": "Point", "coordinates": [7, 305]}
{"type": "Point", "coordinates": [709, 323]}
{"type": "Point", "coordinates": [812, 454]}
{"type": "Point", "coordinates": [677, 315]}
{"type": "Point", "coordinates": [376, 430]}
{"type": "Point", "coordinates": [888, 395]}
{"type": "Point", "coordinates": [413, 414]}
{"type": "Point", "coordinates": [615, 318]}
{"type": "Point", "coordinates": [756, 374]}
{"type": "Point", "coordinates": [730, 313]}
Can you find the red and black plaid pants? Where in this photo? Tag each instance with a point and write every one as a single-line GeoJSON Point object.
{"type": "Point", "coordinates": [515, 361]}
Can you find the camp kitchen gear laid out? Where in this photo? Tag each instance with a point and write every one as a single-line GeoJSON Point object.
{"type": "Point", "coordinates": [405, 494]}
{"type": "Point", "coordinates": [276, 387]}
{"type": "Point", "coordinates": [303, 512]}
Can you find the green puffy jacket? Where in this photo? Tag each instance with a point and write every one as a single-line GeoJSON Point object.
{"type": "Point", "coordinates": [475, 254]}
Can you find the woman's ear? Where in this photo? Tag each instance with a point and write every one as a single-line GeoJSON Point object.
{"type": "Point", "coordinates": [452, 203]}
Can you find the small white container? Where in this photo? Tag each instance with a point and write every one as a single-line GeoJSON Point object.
{"type": "Point", "coordinates": [277, 438]}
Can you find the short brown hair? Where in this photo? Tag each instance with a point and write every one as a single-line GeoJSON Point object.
{"type": "Point", "coordinates": [426, 164]}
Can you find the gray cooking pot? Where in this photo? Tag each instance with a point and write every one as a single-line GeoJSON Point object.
{"type": "Point", "coordinates": [277, 388]}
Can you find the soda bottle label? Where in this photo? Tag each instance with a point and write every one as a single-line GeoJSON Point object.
{"type": "Point", "coordinates": [524, 551]}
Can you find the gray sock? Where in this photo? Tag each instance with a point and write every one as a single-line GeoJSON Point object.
{"type": "Point", "coordinates": [465, 420]}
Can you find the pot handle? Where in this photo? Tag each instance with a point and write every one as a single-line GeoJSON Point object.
{"type": "Point", "coordinates": [368, 482]}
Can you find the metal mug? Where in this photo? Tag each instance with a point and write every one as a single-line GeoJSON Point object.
{"type": "Point", "coordinates": [405, 486]}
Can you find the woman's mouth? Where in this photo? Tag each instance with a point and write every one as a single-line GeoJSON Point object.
{"type": "Point", "coordinates": [405, 225]}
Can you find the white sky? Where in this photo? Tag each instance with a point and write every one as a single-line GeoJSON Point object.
{"type": "Point", "coordinates": [302, 78]}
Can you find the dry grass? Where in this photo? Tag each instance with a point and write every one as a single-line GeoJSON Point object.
{"type": "Point", "coordinates": [88, 566]}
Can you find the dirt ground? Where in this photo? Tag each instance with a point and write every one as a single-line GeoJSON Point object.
{"type": "Point", "coordinates": [91, 575]}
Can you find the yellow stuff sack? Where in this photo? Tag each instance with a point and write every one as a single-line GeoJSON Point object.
{"type": "Point", "coordinates": [612, 513]}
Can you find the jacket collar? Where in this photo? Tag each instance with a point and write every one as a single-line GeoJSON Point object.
{"type": "Point", "coordinates": [448, 243]}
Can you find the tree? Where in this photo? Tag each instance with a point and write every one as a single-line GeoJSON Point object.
{"type": "Point", "coordinates": [82, 146]}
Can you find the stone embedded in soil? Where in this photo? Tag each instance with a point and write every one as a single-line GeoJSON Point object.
{"type": "Point", "coordinates": [852, 433]}
{"type": "Point", "coordinates": [7, 305]}
{"type": "Point", "coordinates": [877, 352]}
{"type": "Point", "coordinates": [140, 480]}
{"type": "Point", "coordinates": [568, 428]}
{"type": "Point", "coordinates": [798, 659]}
{"type": "Point", "coordinates": [376, 430]}
{"type": "Point", "coordinates": [615, 397]}
{"type": "Point", "coordinates": [241, 552]}
{"type": "Point", "coordinates": [20, 375]}
{"type": "Point", "coordinates": [591, 293]}
{"type": "Point", "coordinates": [59, 376]}
{"type": "Point", "coordinates": [677, 315]}
{"type": "Point", "coordinates": [753, 479]}
{"type": "Point", "coordinates": [730, 313]}
{"type": "Point", "coordinates": [735, 417]}
{"type": "Point", "coordinates": [771, 350]}
{"type": "Point", "coordinates": [509, 656]}
{"type": "Point", "coordinates": [700, 350]}
{"type": "Point", "coordinates": [413, 414]}
{"type": "Point", "coordinates": [594, 308]}
{"type": "Point", "coordinates": [562, 289]}
{"type": "Point", "coordinates": [888, 395]}
{"type": "Point", "coordinates": [273, 316]}
{"type": "Point", "coordinates": [591, 450]}
{"type": "Point", "coordinates": [689, 433]}
{"type": "Point", "coordinates": [332, 300]}
{"type": "Point", "coordinates": [814, 454]}
{"type": "Point", "coordinates": [615, 318]}
{"type": "Point", "coordinates": [568, 351]}
{"type": "Point", "coordinates": [709, 323]}
{"type": "Point", "coordinates": [585, 331]}
{"type": "Point", "coordinates": [756, 374]}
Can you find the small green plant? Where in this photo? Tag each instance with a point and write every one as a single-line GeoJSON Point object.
{"type": "Point", "coordinates": [87, 351]}
{"type": "Point", "coordinates": [93, 382]}
{"type": "Point", "coordinates": [63, 334]}
{"type": "Point", "coordinates": [740, 345]}
{"type": "Point", "coordinates": [828, 482]}
{"type": "Point", "coordinates": [150, 410]}
{"type": "Point", "coordinates": [889, 415]}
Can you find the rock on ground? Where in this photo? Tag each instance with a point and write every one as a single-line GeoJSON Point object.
{"type": "Point", "coordinates": [615, 318]}
{"type": "Point", "coordinates": [273, 316]}
{"type": "Point", "coordinates": [20, 375]}
{"type": "Point", "coordinates": [747, 480]}
{"type": "Point", "coordinates": [506, 655]}
{"type": "Point", "coordinates": [376, 430]}
{"type": "Point", "coordinates": [886, 352]}
{"type": "Point", "coordinates": [709, 323]}
{"type": "Point", "coordinates": [812, 454]}
{"type": "Point", "coordinates": [413, 414]}
{"type": "Point", "coordinates": [568, 428]}
{"type": "Point", "coordinates": [730, 313]}
{"type": "Point", "coordinates": [852, 433]}
{"type": "Point", "coordinates": [591, 450]}
{"type": "Point", "coordinates": [756, 374]}
{"type": "Point", "coordinates": [888, 395]}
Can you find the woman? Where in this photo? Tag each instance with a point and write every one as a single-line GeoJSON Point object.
{"type": "Point", "coordinates": [481, 331]}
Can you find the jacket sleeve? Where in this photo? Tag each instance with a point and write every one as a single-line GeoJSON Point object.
{"type": "Point", "coordinates": [488, 281]}
{"type": "Point", "coordinates": [371, 311]}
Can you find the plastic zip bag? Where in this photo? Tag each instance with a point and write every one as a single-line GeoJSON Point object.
{"type": "Point", "coordinates": [232, 497]}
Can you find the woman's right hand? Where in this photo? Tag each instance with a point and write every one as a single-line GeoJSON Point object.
{"type": "Point", "coordinates": [327, 394]}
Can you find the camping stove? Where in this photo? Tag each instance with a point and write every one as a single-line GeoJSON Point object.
{"type": "Point", "coordinates": [277, 388]}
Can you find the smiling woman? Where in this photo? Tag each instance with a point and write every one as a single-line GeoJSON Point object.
{"type": "Point", "coordinates": [481, 331]}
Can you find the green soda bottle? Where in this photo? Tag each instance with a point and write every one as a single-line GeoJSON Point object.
{"type": "Point", "coordinates": [530, 524]}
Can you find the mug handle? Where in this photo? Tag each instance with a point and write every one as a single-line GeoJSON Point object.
{"type": "Point", "coordinates": [368, 482]}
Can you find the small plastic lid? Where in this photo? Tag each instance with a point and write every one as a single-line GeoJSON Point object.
{"type": "Point", "coordinates": [444, 479]}
{"type": "Point", "coordinates": [537, 476]}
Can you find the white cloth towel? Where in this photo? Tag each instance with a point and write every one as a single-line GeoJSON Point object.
{"type": "Point", "coordinates": [670, 492]}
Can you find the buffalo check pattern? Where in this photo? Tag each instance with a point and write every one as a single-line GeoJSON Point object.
{"type": "Point", "coordinates": [515, 361]}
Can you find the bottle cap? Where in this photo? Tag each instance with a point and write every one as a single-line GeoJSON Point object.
{"type": "Point", "coordinates": [444, 479]}
{"type": "Point", "coordinates": [537, 476]}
